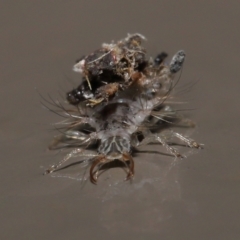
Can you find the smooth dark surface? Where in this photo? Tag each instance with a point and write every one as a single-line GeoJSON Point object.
{"type": "Point", "coordinates": [197, 198]}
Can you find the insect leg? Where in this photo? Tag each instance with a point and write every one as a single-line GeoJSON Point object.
{"type": "Point", "coordinates": [160, 137]}
{"type": "Point", "coordinates": [68, 135]}
{"type": "Point", "coordinates": [73, 153]}
{"type": "Point", "coordinates": [190, 142]}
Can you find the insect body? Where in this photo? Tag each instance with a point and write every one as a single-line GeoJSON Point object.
{"type": "Point", "coordinates": [135, 116]}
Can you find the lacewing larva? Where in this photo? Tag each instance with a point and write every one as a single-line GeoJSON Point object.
{"type": "Point", "coordinates": [121, 104]}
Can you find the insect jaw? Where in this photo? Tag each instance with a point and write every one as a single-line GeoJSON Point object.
{"type": "Point", "coordinates": [100, 160]}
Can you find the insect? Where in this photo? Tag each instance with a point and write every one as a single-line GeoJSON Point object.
{"type": "Point", "coordinates": [109, 119]}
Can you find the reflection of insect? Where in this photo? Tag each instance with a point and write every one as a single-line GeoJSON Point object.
{"type": "Point", "coordinates": [136, 115]}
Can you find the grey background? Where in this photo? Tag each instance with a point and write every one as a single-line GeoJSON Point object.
{"type": "Point", "coordinates": [196, 198]}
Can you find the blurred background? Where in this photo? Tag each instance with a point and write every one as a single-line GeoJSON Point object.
{"type": "Point", "coordinates": [195, 198]}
